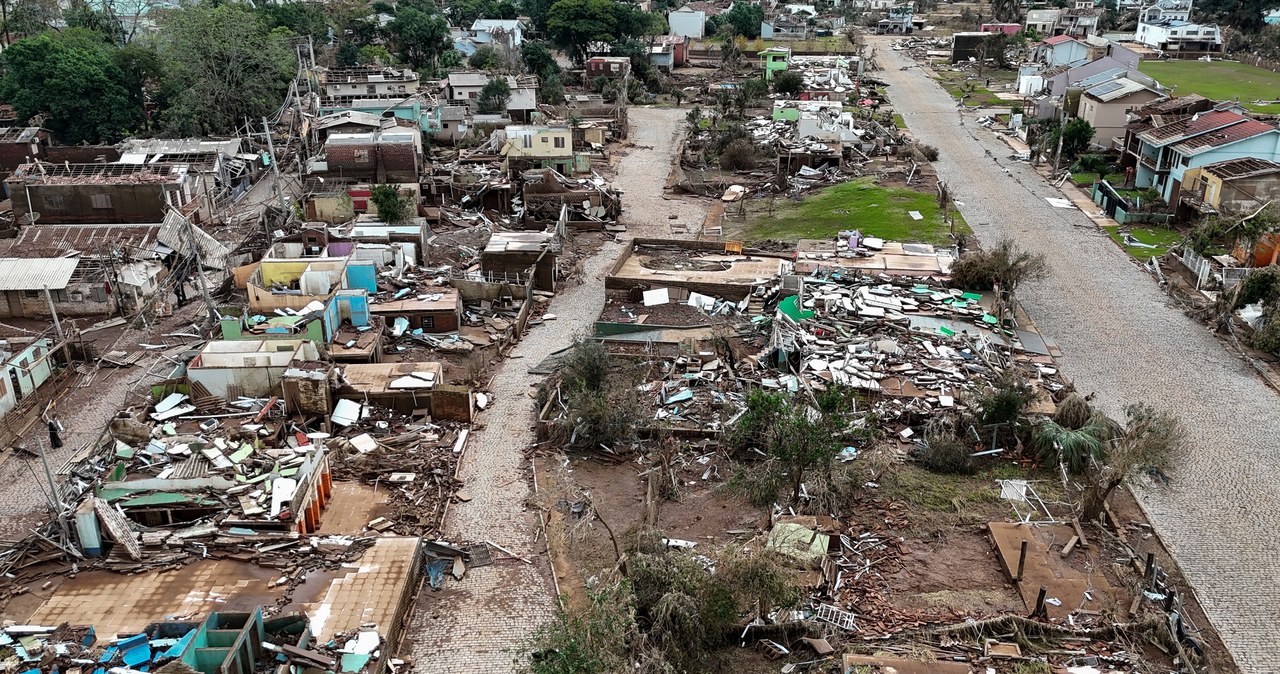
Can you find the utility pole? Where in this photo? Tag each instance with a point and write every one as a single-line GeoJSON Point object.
{"type": "Point", "coordinates": [275, 172]}
{"type": "Point", "coordinates": [48, 473]}
{"type": "Point", "coordinates": [48, 296]}
{"type": "Point", "coordinates": [199, 269]}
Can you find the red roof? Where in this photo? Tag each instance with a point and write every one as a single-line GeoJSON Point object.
{"type": "Point", "coordinates": [1059, 39]}
{"type": "Point", "coordinates": [1194, 126]}
{"type": "Point", "coordinates": [1220, 137]}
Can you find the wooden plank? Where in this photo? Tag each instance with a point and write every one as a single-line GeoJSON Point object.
{"type": "Point", "coordinates": [1075, 524]}
{"type": "Point", "coordinates": [1071, 545]}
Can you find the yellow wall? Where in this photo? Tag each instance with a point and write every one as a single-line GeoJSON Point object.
{"type": "Point", "coordinates": [282, 271]}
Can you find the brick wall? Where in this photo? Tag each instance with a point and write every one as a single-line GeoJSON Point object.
{"type": "Point", "coordinates": [451, 402]}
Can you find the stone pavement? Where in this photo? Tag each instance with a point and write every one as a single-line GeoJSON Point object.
{"type": "Point", "coordinates": [1123, 339]}
{"type": "Point", "coordinates": [479, 624]}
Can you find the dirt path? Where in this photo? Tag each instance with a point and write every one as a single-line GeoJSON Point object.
{"type": "Point", "coordinates": [480, 623]}
{"type": "Point", "coordinates": [1122, 339]}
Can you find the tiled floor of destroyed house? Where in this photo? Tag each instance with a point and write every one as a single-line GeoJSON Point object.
{"type": "Point", "coordinates": [1124, 340]}
{"type": "Point", "coordinates": [478, 623]}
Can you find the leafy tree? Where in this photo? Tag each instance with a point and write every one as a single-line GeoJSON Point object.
{"type": "Point", "coordinates": [486, 57]}
{"type": "Point", "coordinates": [744, 19]}
{"type": "Point", "coordinates": [463, 13]}
{"type": "Point", "coordinates": [420, 34]}
{"type": "Point", "coordinates": [143, 72]}
{"type": "Point", "coordinates": [213, 85]}
{"type": "Point", "coordinates": [300, 18]}
{"type": "Point", "coordinates": [801, 437]}
{"type": "Point", "coordinates": [72, 78]}
{"type": "Point", "coordinates": [788, 82]}
{"type": "Point", "coordinates": [494, 96]}
{"type": "Point", "coordinates": [32, 17]}
{"type": "Point", "coordinates": [574, 24]}
{"type": "Point", "coordinates": [538, 59]}
{"type": "Point", "coordinates": [375, 54]}
{"type": "Point", "coordinates": [1245, 15]}
{"type": "Point", "coordinates": [393, 207]}
{"type": "Point", "coordinates": [1076, 136]}
{"type": "Point", "coordinates": [99, 22]}
{"type": "Point", "coordinates": [551, 90]}
{"type": "Point", "coordinates": [537, 11]}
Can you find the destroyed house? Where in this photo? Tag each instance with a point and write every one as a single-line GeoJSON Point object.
{"type": "Point", "coordinates": [225, 170]}
{"type": "Point", "coordinates": [26, 366]}
{"type": "Point", "coordinates": [102, 193]}
{"type": "Point", "coordinates": [553, 202]}
{"type": "Point", "coordinates": [367, 81]}
{"type": "Point", "coordinates": [405, 388]}
{"type": "Point", "coordinates": [1167, 152]}
{"type": "Point", "coordinates": [515, 253]}
{"type": "Point", "coordinates": [400, 245]}
{"type": "Point", "coordinates": [250, 368]}
{"type": "Point", "coordinates": [1235, 185]}
{"type": "Point", "coordinates": [20, 145]}
{"type": "Point", "coordinates": [411, 109]}
{"type": "Point", "coordinates": [285, 279]}
{"type": "Point", "coordinates": [434, 310]}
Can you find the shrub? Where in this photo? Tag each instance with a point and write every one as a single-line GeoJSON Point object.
{"type": "Point", "coordinates": [1074, 448]}
{"type": "Point", "coordinates": [740, 155]}
{"type": "Point", "coordinates": [944, 448]}
{"type": "Point", "coordinates": [788, 82]}
{"type": "Point", "coordinates": [1005, 264]}
{"type": "Point", "coordinates": [1262, 285]}
{"type": "Point", "coordinates": [586, 367]}
{"type": "Point", "coordinates": [1092, 163]}
{"type": "Point", "coordinates": [1073, 412]}
{"type": "Point", "coordinates": [924, 152]}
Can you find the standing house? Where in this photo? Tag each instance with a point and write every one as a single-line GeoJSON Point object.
{"type": "Point", "coordinates": [676, 46]}
{"type": "Point", "coordinates": [498, 31]}
{"type": "Point", "coordinates": [25, 367]}
{"type": "Point", "coordinates": [1107, 99]}
{"type": "Point", "coordinates": [774, 60]}
{"type": "Point", "coordinates": [247, 368]}
{"type": "Point", "coordinates": [1081, 19]}
{"type": "Point", "coordinates": [1043, 21]}
{"type": "Point", "coordinates": [612, 67]}
{"type": "Point", "coordinates": [1061, 50]}
{"type": "Point", "coordinates": [390, 155]}
{"type": "Point", "coordinates": [1166, 25]}
{"type": "Point", "coordinates": [1055, 82]}
{"type": "Point", "coordinates": [103, 193]}
{"type": "Point", "coordinates": [1167, 152]}
{"type": "Point", "coordinates": [689, 22]}
{"type": "Point", "coordinates": [76, 287]}
{"type": "Point", "coordinates": [366, 81]}
{"type": "Point", "coordinates": [784, 27]}
{"type": "Point", "coordinates": [539, 146]}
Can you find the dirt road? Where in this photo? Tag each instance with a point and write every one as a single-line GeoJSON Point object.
{"type": "Point", "coordinates": [480, 623]}
{"type": "Point", "coordinates": [1122, 339]}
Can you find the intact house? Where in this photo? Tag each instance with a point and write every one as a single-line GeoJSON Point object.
{"type": "Point", "coordinates": [1050, 86]}
{"type": "Point", "coordinates": [1166, 25]}
{"type": "Point", "coordinates": [1061, 50]}
{"type": "Point", "coordinates": [611, 67]}
{"type": "Point", "coordinates": [76, 287]}
{"type": "Point", "coordinates": [1107, 98]}
{"type": "Point", "coordinates": [509, 32]}
{"type": "Point", "coordinates": [689, 22]}
{"type": "Point", "coordinates": [784, 27]}
{"type": "Point", "coordinates": [1165, 153]}
{"type": "Point", "coordinates": [664, 55]}
{"type": "Point", "coordinates": [102, 193]}
{"type": "Point", "coordinates": [366, 81]}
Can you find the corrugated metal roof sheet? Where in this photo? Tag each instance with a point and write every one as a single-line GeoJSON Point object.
{"type": "Point", "coordinates": [35, 273]}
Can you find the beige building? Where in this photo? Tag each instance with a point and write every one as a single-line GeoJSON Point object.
{"type": "Point", "coordinates": [1106, 106]}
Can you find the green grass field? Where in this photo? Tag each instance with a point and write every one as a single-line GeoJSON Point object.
{"type": "Point", "coordinates": [1163, 239]}
{"type": "Point", "coordinates": [858, 204]}
{"type": "Point", "coordinates": [1220, 80]}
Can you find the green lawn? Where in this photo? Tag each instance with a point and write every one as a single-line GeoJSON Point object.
{"type": "Point", "coordinates": [1220, 80]}
{"type": "Point", "coordinates": [899, 122]}
{"type": "Point", "coordinates": [1163, 239]}
{"type": "Point", "coordinates": [1088, 179]}
{"type": "Point", "coordinates": [858, 204]}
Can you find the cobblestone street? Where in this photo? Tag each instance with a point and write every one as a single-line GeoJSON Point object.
{"type": "Point", "coordinates": [1123, 340]}
{"type": "Point", "coordinates": [479, 623]}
